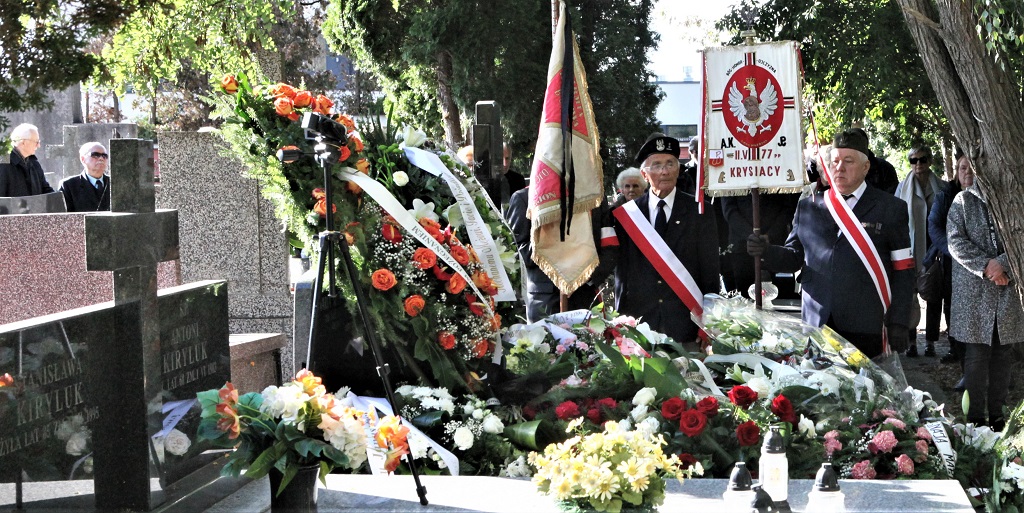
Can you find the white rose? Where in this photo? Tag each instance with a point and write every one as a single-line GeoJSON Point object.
{"type": "Point", "coordinates": [762, 386]}
{"type": "Point", "coordinates": [492, 424]}
{"type": "Point", "coordinates": [405, 390]}
{"type": "Point", "coordinates": [177, 443]}
{"type": "Point", "coordinates": [78, 443]}
{"type": "Point", "coordinates": [645, 396]}
{"type": "Point", "coordinates": [401, 178]}
{"type": "Point", "coordinates": [463, 438]}
{"type": "Point", "coordinates": [468, 408]}
{"type": "Point", "coordinates": [478, 414]}
{"type": "Point", "coordinates": [639, 412]}
{"type": "Point", "coordinates": [806, 426]}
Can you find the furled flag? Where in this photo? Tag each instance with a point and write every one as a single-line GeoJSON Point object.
{"type": "Point", "coordinates": [565, 185]}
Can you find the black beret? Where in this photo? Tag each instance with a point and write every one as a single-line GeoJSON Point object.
{"type": "Point", "coordinates": [852, 138]}
{"type": "Point", "coordinates": [657, 143]}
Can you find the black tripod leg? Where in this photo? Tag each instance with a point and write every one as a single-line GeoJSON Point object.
{"type": "Point", "coordinates": [318, 287]}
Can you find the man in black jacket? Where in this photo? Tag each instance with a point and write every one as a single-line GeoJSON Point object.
{"type": "Point", "coordinates": [23, 176]}
{"type": "Point", "coordinates": [90, 190]}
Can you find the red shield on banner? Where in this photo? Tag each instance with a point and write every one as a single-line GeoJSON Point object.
{"type": "Point", "coordinates": [753, 101]}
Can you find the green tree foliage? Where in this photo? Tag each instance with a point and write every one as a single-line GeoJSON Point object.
{"type": "Point", "coordinates": [43, 46]}
{"type": "Point", "coordinates": [860, 64]}
{"type": "Point", "coordinates": [422, 51]}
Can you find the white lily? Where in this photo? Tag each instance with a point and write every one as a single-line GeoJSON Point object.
{"type": "Point", "coordinates": [454, 216]}
{"type": "Point", "coordinates": [412, 138]}
{"type": "Point", "coordinates": [652, 336]}
{"type": "Point", "coordinates": [420, 210]}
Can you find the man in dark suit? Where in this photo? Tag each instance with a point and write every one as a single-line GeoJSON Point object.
{"type": "Point", "coordinates": [90, 190]}
{"type": "Point", "coordinates": [23, 176]}
{"type": "Point", "coordinates": [838, 290]}
{"type": "Point", "coordinates": [640, 290]}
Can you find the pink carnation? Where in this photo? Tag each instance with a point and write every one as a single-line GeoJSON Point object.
{"type": "Point", "coordinates": [832, 445]}
{"type": "Point", "coordinates": [885, 441]}
{"type": "Point", "coordinates": [922, 451]}
{"type": "Point", "coordinates": [897, 423]}
{"type": "Point", "coordinates": [832, 435]}
{"type": "Point", "coordinates": [904, 464]}
{"type": "Point", "coordinates": [889, 412]}
{"type": "Point", "coordinates": [863, 470]}
{"type": "Point", "coordinates": [923, 433]}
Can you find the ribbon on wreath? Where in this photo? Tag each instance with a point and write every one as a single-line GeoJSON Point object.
{"type": "Point", "coordinates": [483, 243]}
{"type": "Point", "coordinates": [395, 209]}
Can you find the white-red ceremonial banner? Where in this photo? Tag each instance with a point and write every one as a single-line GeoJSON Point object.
{"type": "Point", "coordinates": [568, 262]}
{"type": "Point", "coordinates": [661, 257]}
{"type": "Point", "coordinates": [751, 128]}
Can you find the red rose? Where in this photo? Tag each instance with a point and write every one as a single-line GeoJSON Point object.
{"type": "Point", "coordinates": [783, 408]}
{"type": "Point", "coordinates": [567, 410]}
{"type": "Point", "coordinates": [748, 433]}
{"type": "Point", "coordinates": [692, 423]}
{"type": "Point", "coordinates": [742, 396]}
{"type": "Point", "coordinates": [594, 414]}
{"type": "Point", "coordinates": [673, 408]}
{"type": "Point", "coordinates": [446, 340]}
{"type": "Point", "coordinates": [708, 406]}
{"type": "Point", "coordinates": [686, 460]}
{"type": "Point", "coordinates": [609, 403]}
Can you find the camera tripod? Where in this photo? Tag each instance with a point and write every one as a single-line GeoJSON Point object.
{"type": "Point", "coordinates": [333, 242]}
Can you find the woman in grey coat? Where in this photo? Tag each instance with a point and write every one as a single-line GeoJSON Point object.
{"type": "Point", "coordinates": [987, 312]}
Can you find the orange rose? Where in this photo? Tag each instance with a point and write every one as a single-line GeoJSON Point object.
{"type": "Point", "coordinates": [391, 233]}
{"type": "Point", "coordinates": [344, 154]}
{"type": "Point", "coordinates": [357, 144]}
{"type": "Point", "coordinates": [322, 104]}
{"type": "Point", "coordinates": [383, 279]}
{"type": "Point", "coordinates": [321, 207]}
{"type": "Point", "coordinates": [424, 258]}
{"type": "Point", "coordinates": [7, 380]}
{"type": "Point", "coordinates": [496, 322]}
{"type": "Point", "coordinates": [283, 106]}
{"type": "Point", "coordinates": [319, 193]}
{"type": "Point", "coordinates": [484, 282]}
{"type": "Point", "coordinates": [456, 284]}
{"type": "Point", "coordinates": [363, 166]}
{"type": "Point", "coordinates": [414, 305]}
{"type": "Point", "coordinates": [281, 90]}
{"type": "Point", "coordinates": [302, 99]}
{"type": "Point", "coordinates": [460, 255]}
{"type": "Point", "coordinates": [472, 255]}
{"type": "Point", "coordinates": [350, 237]}
{"type": "Point", "coordinates": [353, 188]}
{"type": "Point", "coordinates": [347, 121]}
{"type": "Point", "coordinates": [294, 116]}
{"type": "Point", "coordinates": [229, 84]}
{"type": "Point", "coordinates": [447, 340]}
{"type": "Point", "coordinates": [481, 348]}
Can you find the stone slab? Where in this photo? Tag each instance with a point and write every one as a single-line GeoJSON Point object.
{"type": "Point", "coordinates": [254, 360]}
{"type": "Point", "coordinates": [44, 267]}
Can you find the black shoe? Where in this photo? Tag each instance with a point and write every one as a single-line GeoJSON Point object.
{"type": "Point", "coordinates": [960, 385]}
{"type": "Point", "coordinates": [929, 350]}
{"type": "Point", "coordinates": [912, 352]}
{"type": "Point", "coordinates": [950, 357]}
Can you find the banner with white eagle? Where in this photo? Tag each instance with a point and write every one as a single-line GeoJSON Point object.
{"type": "Point", "coordinates": [751, 124]}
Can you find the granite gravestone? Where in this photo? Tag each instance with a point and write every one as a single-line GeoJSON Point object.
{"type": "Point", "coordinates": [63, 159]}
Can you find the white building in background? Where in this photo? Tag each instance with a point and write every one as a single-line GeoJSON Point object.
{"type": "Point", "coordinates": [679, 111]}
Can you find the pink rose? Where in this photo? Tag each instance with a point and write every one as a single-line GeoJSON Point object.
{"type": "Point", "coordinates": [923, 433]}
{"type": "Point", "coordinates": [904, 464]}
{"type": "Point", "coordinates": [863, 470]}
{"type": "Point", "coordinates": [885, 441]}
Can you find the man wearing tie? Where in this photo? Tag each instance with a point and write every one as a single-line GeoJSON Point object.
{"type": "Point", "coordinates": [90, 190]}
{"type": "Point", "coordinates": [645, 276]}
{"type": "Point", "coordinates": [837, 287]}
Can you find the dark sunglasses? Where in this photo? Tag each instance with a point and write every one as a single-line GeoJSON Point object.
{"type": "Point", "coordinates": [98, 155]}
{"type": "Point", "coordinates": [923, 160]}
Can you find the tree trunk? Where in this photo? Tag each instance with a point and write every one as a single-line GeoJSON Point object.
{"type": "Point", "coordinates": [983, 107]}
{"type": "Point", "coordinates": [446, 99]}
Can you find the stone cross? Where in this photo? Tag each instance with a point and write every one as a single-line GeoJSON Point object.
{"type": "Point", "coordinates": [488, 153]}
{"type": "Point", "coordinates": [130, 241]}
{"type": "Point", "coordinates": [66, 154]}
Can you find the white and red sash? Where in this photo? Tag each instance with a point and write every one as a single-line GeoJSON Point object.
{"type": "Point", "coordinates": [657, 252]}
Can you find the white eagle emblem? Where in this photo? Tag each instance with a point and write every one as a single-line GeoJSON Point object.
{"type": "Point", "coordinates": [751, 111]}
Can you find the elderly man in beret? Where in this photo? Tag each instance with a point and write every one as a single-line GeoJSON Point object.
{"type": "Point", "coordinates": [838, 289]}
{"type": "Point", "coordinates": [662, 239]}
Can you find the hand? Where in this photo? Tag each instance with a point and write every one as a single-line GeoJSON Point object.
{"type": "Point", "coordinates": [995, 273]}
{"type": "Point", "coordinates": [756, 244]}
{"type": "Point", "coordinates": [899, 337]}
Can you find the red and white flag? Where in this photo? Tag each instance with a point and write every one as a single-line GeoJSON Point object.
{"type": "Point", "coordinates": [566, 180]}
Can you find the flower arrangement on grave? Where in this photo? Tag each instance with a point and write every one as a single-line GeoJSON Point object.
{"type": "Point", "coordinates": [1007, 491]}
{"type": "Point", "coordinates": [295, 425]}
{"type": "Point", "coordinates": [431, 286]}
{"type": "Point", "coordinates": [610, 470]}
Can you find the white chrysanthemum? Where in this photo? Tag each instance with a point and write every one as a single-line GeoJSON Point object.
{"type": "Point", "coordinates": [78, 443]}
{"type": "Point", "coordinates": [645, 396]}
{"type": "Point", "coordinates": [463, 438]}
{"type": "Point", "coordinates": [418, 445]}
{"type": "Point", "coordinates": [177, 443]}
{"type": "Point", "coordinates": [492, 424]}
{"type": "Point", "coordinates": [405, 390]}
{"type": "Point", "coordinates": [447, 405]}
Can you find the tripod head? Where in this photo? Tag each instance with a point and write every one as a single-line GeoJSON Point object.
{"type": "Point", "coordinates": [328, 133]}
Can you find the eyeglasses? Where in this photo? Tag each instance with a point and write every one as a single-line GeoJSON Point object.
{"type": "Point", "coordinates": [923, 160]}
{"type": "Point", "coordinates": [98, 155]}
{"type": "Point", "coordinates": [671, 165]}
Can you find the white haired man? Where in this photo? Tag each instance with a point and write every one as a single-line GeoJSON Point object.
{"type": "Point", "coordinates": [90, 190]}
{"type": "Point", "coordinates": [23, 176]}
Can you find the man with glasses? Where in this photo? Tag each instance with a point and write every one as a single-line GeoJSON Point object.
{"type": "Point", "coordinates": [668, 252]}
{"type": "Point", "coordinates": [23, 176]}
{"type": "Point", "coordinates": [90, 190]}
